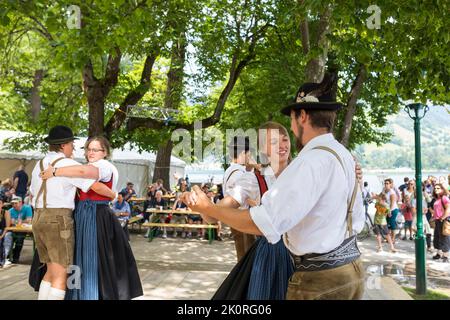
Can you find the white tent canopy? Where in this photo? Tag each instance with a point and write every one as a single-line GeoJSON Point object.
{"type": "Point", "coordinates": [132, 166]}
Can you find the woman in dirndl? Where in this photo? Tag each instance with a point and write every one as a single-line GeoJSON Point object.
{"type": "Point", "coordinates": [263, 273]}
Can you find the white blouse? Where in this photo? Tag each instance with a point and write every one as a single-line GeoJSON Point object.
{"type": "Point", "coordinates": [105, 170]}
{"type": "Point", "coordinates": [247, 187]}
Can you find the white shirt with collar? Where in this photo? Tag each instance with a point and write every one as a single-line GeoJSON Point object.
{"type": "Point", "coordinates": [231, 176]}
{"type": "Point", "coordinates": [247, 187]}
{"type": "Point", "coordinates": [309, 199]}
{"type": "Point", "coordinates": [60, 190]}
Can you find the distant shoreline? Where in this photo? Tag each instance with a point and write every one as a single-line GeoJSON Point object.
{"type": "Point", "coordinates": [401, 170]}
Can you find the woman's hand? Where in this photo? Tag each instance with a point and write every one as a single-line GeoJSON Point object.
{"type": "Point", "coordinates": [47, 173]}
{"type": "Point", "coordinates": [251, 202]}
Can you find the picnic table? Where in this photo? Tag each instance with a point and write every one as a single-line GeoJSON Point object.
{"type": "Point", "coordinates": [135, 199]}
{"type": "Point", "coordinates": [23, 228]}
{"type": "Point", "coordinates": [134, 220]}
{"type": "Point", "coordinates": [153, 223]}
{"type": "Point", "coordinates": [170, 211]}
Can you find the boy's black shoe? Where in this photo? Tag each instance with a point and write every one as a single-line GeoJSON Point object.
{"type": "Point", "coordinates": [437, 257]}
{"type": "Point", "coordinates": [444, 259]}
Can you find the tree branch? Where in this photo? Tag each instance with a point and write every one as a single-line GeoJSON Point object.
{"type": "Point", "coordinates": [112, 71]}
{"type": "Point", "coordinates": [43, 30]}
{"type": "Point", "coordinates": [351, 103]}
{"type": "Point", "coordinates": [132, 97]}
{"type": "Point", "coordinates": [235, 70]}
{"type": "Point", "coordinates": [315, 68]}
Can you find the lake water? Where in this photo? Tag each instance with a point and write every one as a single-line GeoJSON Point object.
{"type": "Point", "coordinates": [375, 179]}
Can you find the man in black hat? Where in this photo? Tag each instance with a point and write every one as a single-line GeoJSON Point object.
{"type": "Point", "coordinates": [239, 150]}
{"type": "Point", "coordinates": [315, 204]}
{"type": "Point", "coordinates": [54, 201]}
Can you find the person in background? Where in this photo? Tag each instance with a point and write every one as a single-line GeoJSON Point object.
{"type": "Point", "coordinates": [4, 189]}
{"type": "Point", "coordinates": [3, 224]}
{"type": "Point", "coordinates": [18, 214]}
{"type": "Point", "coordinates": [405, 185]}
{"type": "Point", "coordinates": [219, 194]}
{"type": "Point", "coordinates": [159, 185]}
{"type": "Point", "coordinates": [160, 204]}
{"type": "Point", "coordinates": [441, 212]}
{"type": "Point", "coordinates": [443, 181]}
{"type": "Point", "coordinates": [428, 186]}
{"type": "Point", "coordinates": [27, 199]}
{"type": "Point", "coordinates": [425, 217]}
{"type": "Point", "coordinates": [217, 236]}
{"type": "Point", "coordinates": [129, 191]}
{"type": "Point", "coordinates": [188, 183]}
{"type": "Point", "coordinates": [382, 210]}
{"type": "Point", "coordinates": [177, 217]}
{"type": "Point", "coordinates": [391, 198]}
{"type": "Point", "coordinates": [20, 182]}
{"type": "Point", "coordinates": [407, 211]}
{"type": "Point", "coordinates": [367, 197]}
{"type": "Point", "coordinates": [10, 194]}
{"type": "Point", "coordinates": [122, 210]}
{"type": "Point", "coordinates": [151, 194]}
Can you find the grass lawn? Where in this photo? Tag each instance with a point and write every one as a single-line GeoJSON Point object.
{"type": "Point", "coordinates": [431, 294]}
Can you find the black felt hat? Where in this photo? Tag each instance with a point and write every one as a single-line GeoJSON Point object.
{"type": "Point", "coordinates": [59, 135]}
{"type": "Point", "coordinates": [314, 96]}
{"type": "Point", "coordinates": [241, 143]}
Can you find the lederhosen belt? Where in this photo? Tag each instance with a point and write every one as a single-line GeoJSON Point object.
{"type": "Point", "coordinates": [345, 253]}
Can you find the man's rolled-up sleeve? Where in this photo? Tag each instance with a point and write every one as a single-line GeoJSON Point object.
{"type": "Point", "coordinates": [262, 220]}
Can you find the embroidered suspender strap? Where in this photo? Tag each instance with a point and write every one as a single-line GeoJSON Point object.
{"type": "Point", "coordinates": [43, 188]}
{"type": "Point", "coordinates": [261, 183]}
{"type": "Point", "coordinates": [352, 199]}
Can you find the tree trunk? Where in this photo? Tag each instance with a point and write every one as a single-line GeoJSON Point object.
{"type": "Point", "coordinates": [351, 104]}
{"type": "Point", "coordinates": [171, 101]}
{"type": "Point", "coordinates": [315, 67]}
{"type": "Point", "coordinates": [96, 91]}
{"type": "Point", "coordinates": [35, 94]}
{"type": "Point", "coordinates": [162, 165]}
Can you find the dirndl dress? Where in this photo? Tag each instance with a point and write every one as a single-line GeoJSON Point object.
{"type": "Point", "coordinates": [262, 274]}
{"type": "Point", "coordinates": [103, 255]}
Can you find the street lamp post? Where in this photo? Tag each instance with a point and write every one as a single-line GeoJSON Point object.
{"type": "Point", "coordinates": [413, 111]}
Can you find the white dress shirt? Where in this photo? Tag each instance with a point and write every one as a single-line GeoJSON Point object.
{"type": "Point", "coordinates": [247, 187]}
{"type": "Point", "coordinates": [308, 201]}
{"type": "Point", "coordinates": [60, 190]}
{"type": "Point", "coordinates": [231, 176]}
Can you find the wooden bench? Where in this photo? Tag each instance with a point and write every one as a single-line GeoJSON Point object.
{"type": "Point", "coordinates": [133, 220]}
{"type": "Point", "coordinates": [181, 225]}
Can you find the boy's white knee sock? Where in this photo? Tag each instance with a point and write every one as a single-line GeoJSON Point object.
{"type": "Point", "coordinates": [56, 294]}
{"type": "Point", "coordinates": [44, 290]}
